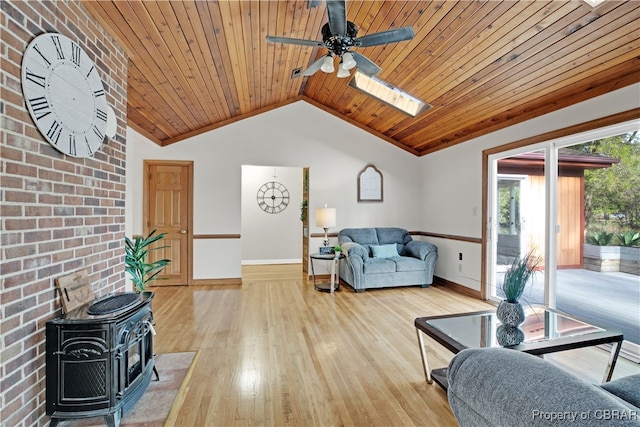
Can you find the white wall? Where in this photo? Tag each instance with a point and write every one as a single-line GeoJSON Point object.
{"type": "Point", "coordinates": [271, 238]}
{"type": "Point", "coordinates": [452, 190]}
{"type": "Point", "coordinates": [440, 192]}
{"type": "Point", "coordinates": [296, 135]}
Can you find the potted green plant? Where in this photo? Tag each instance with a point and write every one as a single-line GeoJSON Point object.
{"type": "Point", "coordinates": [141, 271]}
{"type": "Point", "coordinates": [516, 278]}
{"type": "Point", "coordinates": [337, 249]}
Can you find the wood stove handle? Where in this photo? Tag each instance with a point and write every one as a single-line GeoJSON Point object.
{"type": "Point", "coordinates": [121, 385]}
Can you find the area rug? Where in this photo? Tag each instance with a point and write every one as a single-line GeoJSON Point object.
{"type": "Point", "coordinates": [153, 409]}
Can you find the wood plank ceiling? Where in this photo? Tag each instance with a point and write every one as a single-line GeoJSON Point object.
{"type": "Point", "coordinates": [482, 65]}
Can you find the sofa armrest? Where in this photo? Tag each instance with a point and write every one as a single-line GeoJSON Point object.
{"type": "Point", "coordinates": [355, 250]}
{"type": "Point", "coordinates": [356, 255]}
{"type": "Point", "coordinates": [503, 387]}
{"type": "Point", "coordinates": [418, 249]}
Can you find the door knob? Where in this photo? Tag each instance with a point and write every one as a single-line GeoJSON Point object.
{"type": "Point", "coordinates": [183, 231]}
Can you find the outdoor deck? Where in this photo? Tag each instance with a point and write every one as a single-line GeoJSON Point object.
{"type": "Point", "coordinates": [610, 300]}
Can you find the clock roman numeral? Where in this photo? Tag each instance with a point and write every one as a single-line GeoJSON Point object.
{"type": "Point", "coordinates": [99, 92]}
{"type": "Point", "coordinates": [37, 49]}
{"type": "Point", "coordinates": [101, 115]}
{"type": "Point", "coordinates": [75, 54]}
{"type": "Point", "coordinates": [40, 107]}
{"type": "Point", "coordinates": [97, 132]}
{"type": "Point", "coordinates": [35, 78]}
{"type": "Point", "coordinates": [54, 132]}
{"type": "Point", "coordinates": [90, 70]}
{"type": "Point", "coordinates": [88, 145]}
{"type": "Point", "coordinates": [58, 45]}
{"type": "Point", "coordinates": [72, 144]}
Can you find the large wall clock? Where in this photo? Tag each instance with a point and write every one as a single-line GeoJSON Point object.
{"type": "Point", "coordinates": [64, 94]}
{"type": "Point", "coordinates": [273, 197]}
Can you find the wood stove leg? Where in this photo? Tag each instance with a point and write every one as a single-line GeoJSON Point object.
{"type": "Point", "coordinates": [113, 420]}
{"type": "Point", "coordinates": [54, 422]}
{"type": "Point", "coordinates": [155, 369]}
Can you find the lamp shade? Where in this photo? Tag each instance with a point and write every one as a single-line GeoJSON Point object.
{"type": "Point", "coordinates": [342, 72]}
{"type": "Point", "coordinates": [326, 217]}
{"type": "Point", "coordinates": [327, 64]}
{"type": "Point", "coordinates": [348, 61]}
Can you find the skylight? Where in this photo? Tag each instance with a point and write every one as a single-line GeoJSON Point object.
{"type": "Point", "coordinates": [594, 3]}
{"type": "Point", "coordinates": [388, 94]}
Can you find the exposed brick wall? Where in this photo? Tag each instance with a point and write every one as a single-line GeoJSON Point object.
{"type": "Point", "coordinates": [59, 214]}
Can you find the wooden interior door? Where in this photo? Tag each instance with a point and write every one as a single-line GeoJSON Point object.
{"type": "Point", "coordinates": [168, 209]}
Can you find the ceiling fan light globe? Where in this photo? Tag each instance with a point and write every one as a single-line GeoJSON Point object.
{"type": "Point", "coordinates": [348, 61]}
{"type": "Point", "coordinates": [343, 72]}
{"type": "Point", "coordinates": [327, 64]}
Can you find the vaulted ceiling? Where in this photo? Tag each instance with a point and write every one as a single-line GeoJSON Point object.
{"type": "Point", "coordinates": [483, 65]}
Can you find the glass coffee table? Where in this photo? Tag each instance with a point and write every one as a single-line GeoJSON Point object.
{"type": "Point", "coordinates": [546, 331]}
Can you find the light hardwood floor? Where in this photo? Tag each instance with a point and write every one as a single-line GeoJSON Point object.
{"type": "Point", "coordinates": [273, 351]}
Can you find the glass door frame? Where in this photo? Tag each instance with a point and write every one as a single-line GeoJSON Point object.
{"type": "Point", "coordinates": [550, 149]}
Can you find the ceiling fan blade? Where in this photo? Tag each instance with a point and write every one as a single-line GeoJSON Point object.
{"type": "Point", "coordinates": [287, 40]}
{"type": "Point", "coordinates": [313, 68]}
{"type": "Point", "coordinates": [365, 65]}
{"type": "Point", "coordinates": [337, 12]}
{"type": "Point", "coordinates": [383, 37]}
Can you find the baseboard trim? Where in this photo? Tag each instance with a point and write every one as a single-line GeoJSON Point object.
{"type": "Point", "coordinates": [271, 261]}
{"type": "Point", "coordinates": [217, 282]}
{"type": "Point", "coordinates": [457, 287]}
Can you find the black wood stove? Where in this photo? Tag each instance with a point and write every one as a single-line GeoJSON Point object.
{"type": "Point", "coordinates": [100, 358]}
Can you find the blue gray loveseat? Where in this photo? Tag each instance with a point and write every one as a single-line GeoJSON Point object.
{"type": "Point", "coordinates": [384, 257]}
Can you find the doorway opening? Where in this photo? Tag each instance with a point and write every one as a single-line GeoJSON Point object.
{"type": "Point", "coordinates": [271, 224]}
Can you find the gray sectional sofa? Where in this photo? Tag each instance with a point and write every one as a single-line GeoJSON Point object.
{"type": "Point", "coordinates": [504, 387]}
{"type": "Point", "coordinates": [385, 256]}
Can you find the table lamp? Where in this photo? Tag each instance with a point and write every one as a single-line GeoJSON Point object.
{"type": "Point", "coordinates": [325, 218]}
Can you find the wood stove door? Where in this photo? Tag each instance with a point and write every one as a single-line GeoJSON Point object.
{"type": "Point", "coordinates": [78, 368]}
{"type": "Point", "coordinates": [135, 349]}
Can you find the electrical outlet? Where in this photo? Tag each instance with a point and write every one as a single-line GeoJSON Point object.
{"type": "Point", "coordinates": [459, 256]}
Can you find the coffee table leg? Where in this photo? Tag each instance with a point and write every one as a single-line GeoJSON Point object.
{"type": "Point", "coordinates": [613, 358]}
{"type": "Point", "coordinates": [423, 353]}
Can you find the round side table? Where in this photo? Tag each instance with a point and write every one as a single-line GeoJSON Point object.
{"type": "Point", "coordinates": [335, 271]}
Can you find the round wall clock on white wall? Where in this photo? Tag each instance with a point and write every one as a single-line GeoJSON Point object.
{"type": "Point", "coordinates": [273, 197]}
{"type": "Point", "coordinates": [64, 94]}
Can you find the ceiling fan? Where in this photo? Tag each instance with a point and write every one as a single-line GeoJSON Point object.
{"type": "Point", "coordinates": [339, 36]}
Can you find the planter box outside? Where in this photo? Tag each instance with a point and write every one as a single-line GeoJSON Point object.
{"type": "Point", "coordinates": [608, 259]}
{"type": "Point", "coordinates": [630, 260]}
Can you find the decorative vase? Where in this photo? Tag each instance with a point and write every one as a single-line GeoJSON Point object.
{"type": "Point", "coordinates": [337, 254]}
{"type": "Point", "coordinates": [508, 335]}
{"type": "Point", "coordinates": [510, 313]}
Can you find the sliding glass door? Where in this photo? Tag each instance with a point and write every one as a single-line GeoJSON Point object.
{"type": "Point", "coordinates": [518, 206]}
{"type": "Point", "coordinates": [573, 201]}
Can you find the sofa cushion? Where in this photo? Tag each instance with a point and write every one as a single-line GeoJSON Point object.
{"type": "Point", "coordinates": [364, 236]}
{"type": "Point", "coordinates": [392, 235]}
{"type": "Point", "coordinates": [379, 265]}
{"type": "Point", "coordinates": [384, 251]}
{"type": "Point", "coordinates": [396, 235]}
{"type": "Point", "coordinates": [408, 264]}
{"type": "Point", "coordinates": [626, 388]}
